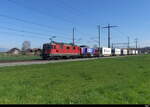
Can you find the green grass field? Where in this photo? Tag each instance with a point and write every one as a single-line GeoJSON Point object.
{"type": "Point", "coordinates": [105, 81]}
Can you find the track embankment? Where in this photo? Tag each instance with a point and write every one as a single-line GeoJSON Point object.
{"type": "Point", "coordinates": [31, 62]}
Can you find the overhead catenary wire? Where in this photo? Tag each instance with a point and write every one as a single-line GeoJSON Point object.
{"type": "Point", "coordinates": [45, 14]}
{"type": "Point", "coordinates": [40, 12]}
{"type": "Point", "coordinates": [136, 43]}
{"type": "Point", "coordinates": [33, 23]}
{"type": "Point", "coordinates": [124, 34]}
{"type": "Point", "coordinates": [26, 21]}
{"type": "Point", "coordinates": [128, 43]}
{"type": "Point", "coordinates": [35, 33]}
{"type": "Point", "coordinates": [23, 35]}
{"type": "Point", "coordinates": [70, 8]}
{"type": "Point", "coordinates": [29, 32]}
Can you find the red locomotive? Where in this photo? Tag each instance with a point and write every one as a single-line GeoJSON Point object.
{"type": "Point", "coordinates": [60, 50]}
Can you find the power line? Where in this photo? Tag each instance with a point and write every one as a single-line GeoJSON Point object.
{"type": "Point", "coordinates": [24, 31]}
{"type": "Point", "coordinates": [83, 33]}
{"type": "Point", "coordinates": [29, 8]}
{"type": "Point", "coordinates": [123, 34]}
{"type": "Point", "coordinates": [70, 8]}
{"type": "Point", "coordinates": [108, 27]}
{"type": "Point", "coordinates": [136, 43]}
{"type": "Point", "coordinates": [119, 45]}
{"type": "Point", "coordinates": [25, 21]}
{"type": "Point", "coordinates": [40, 12]}
{"type": "Point", "coordinates": [22, 35]}
{"type": "Point", "coordinates": [28, 22]}
{"type": "Point", "coordinates": [128, 42]}
{"type": "Point", "coordinates": [99, 37]}
{"type": "Point", "coordinates": [73, 36]}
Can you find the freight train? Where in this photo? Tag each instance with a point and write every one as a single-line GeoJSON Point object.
{"type": "Point", "coordinates": [57, 50]}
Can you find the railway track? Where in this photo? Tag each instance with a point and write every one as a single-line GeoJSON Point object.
{"type": "Point", "coordinates": [40, 61]}
{"type": "Point", "coordinates": [13, 61]}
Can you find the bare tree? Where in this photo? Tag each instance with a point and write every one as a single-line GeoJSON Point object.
{"type": "Point", "coordinates": [26, 45]}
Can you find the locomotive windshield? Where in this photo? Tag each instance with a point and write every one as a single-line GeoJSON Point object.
{"type": "Point", "coordinates": [46, 46]}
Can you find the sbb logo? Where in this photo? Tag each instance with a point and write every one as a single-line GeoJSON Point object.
{"type": "Point", "coordinates": [105, 50]}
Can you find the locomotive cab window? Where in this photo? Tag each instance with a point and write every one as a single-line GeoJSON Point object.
{"type": "Point", "coordinates": [74, 48]}
{"type": "Point", "coordinates": [46, 47]}
{"type": "Point", "coordinates": [49, 47]}
{"type": "Point", "coordinates": [54, 47]}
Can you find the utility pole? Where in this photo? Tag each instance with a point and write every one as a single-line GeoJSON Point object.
{"type": "Point", "coordinates": [136, 43]}
{"type": "Point", "coordinates": [128, 42]}
{"type": "Point", "coordinates": [99, 28]}
{"type": "Point", "coordinates": [73, 36]}
{"type": "Point", "coordinates": [112, 45]}
{"type": "Point", "coordinates": [108, 27]}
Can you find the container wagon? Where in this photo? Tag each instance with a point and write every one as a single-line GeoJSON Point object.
{"type": "Point", "coordinates": [96, 52]}
{"type": "Point", "coordinates": [133, 52]}
{"type": "Point", "coordinates": [105, 51]}
{"type": "Point", "coordinates": [124, 52]}
{"type": "Point", "coordinates": [130, 52]}
{"type": "Point", "coordinates": [116, 52]}
{"type": "Point", "coordinates": [136, 52]}
{"type": "Point", "coordinates": [90, 52]}
{"type": "Point", "coordinates": [83, 52]}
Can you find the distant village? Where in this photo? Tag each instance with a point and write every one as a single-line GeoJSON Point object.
{"type": "Point", "coordinates": [16, 51]}
{"type": "Point", "coordinates": [26, 50]}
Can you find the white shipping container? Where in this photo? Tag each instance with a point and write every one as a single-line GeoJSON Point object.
{"type": "Point", "coordinates": [106, 51]}
{"type": "Point", "coordinates": [137, 52]}
{"type": "Point", "coordinates": [130, 52]}
{"type": "Point", "coordinates": [117, 51]}
{"type": "Point", "coordinates": [125, 51]}
{"type": "Point", "coordinates": [133, 52]}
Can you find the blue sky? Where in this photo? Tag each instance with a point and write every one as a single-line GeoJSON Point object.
{"type": "Point", "coordinates": [45, 18]}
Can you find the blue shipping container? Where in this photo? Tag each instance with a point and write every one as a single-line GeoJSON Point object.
{"type": "Point", "coordinates": [91, 51]}
{"type": "Point", "coordinates": [84, 51]}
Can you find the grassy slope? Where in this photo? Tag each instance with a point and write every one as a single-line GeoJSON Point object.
{"type": "Point", "coordinates": [105, 81]}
